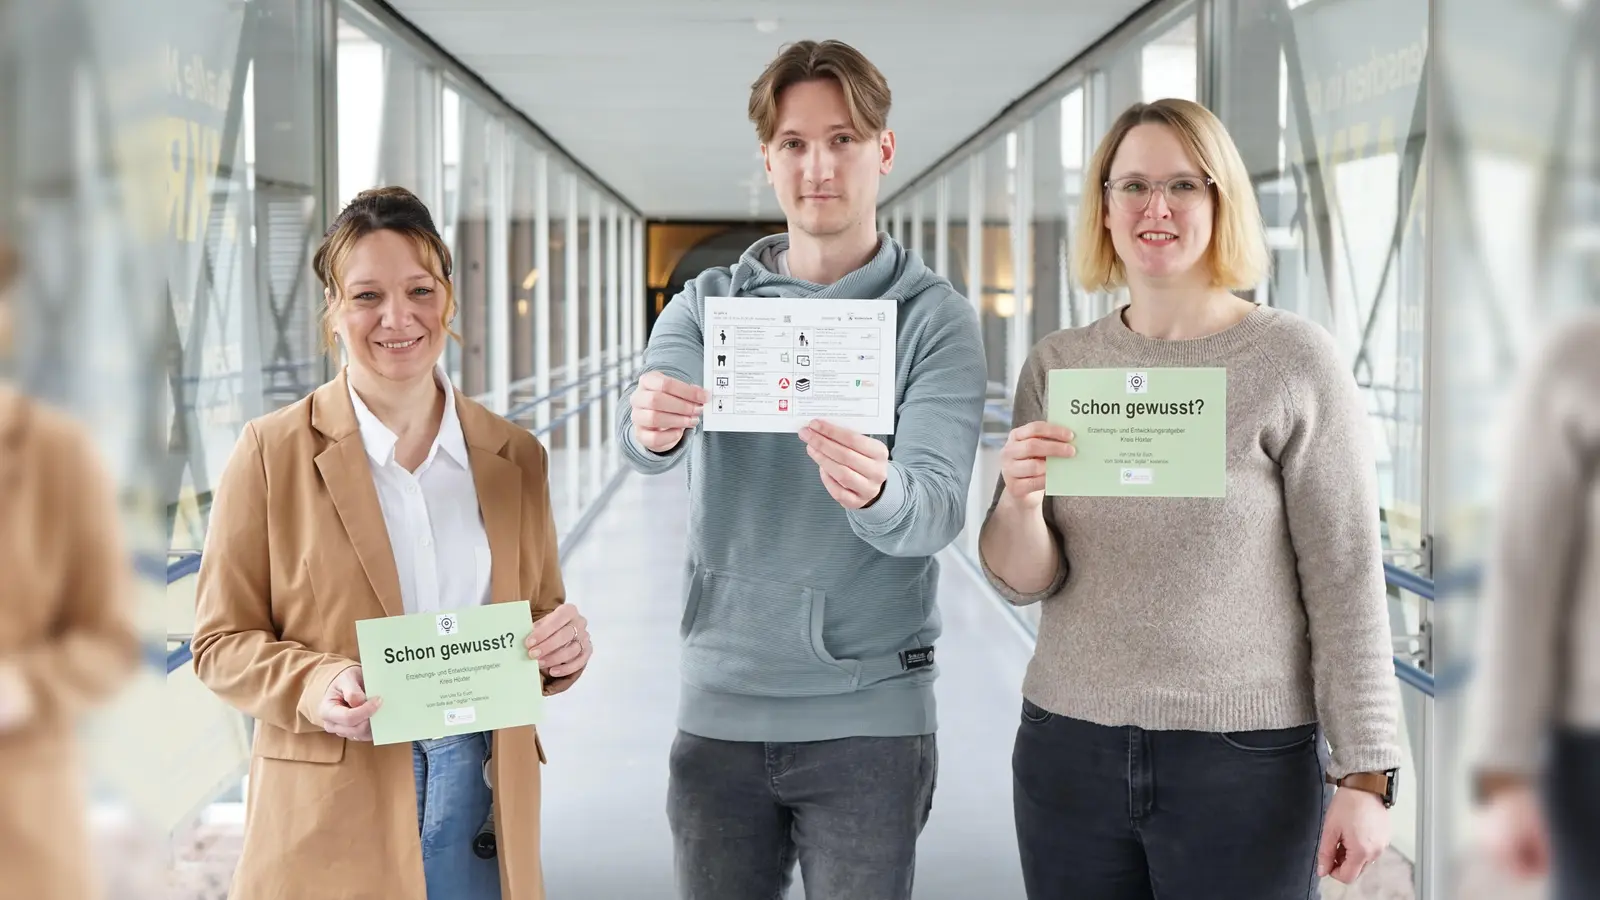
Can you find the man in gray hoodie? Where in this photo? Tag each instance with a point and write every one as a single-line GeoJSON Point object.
{"type": "Point", "coordinates": [806, 719]}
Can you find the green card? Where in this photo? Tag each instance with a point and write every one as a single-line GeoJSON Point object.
{"type": "Point", "coordinates": [1140, 432]}
{"type": "Point", "coordinates": [453, 672]}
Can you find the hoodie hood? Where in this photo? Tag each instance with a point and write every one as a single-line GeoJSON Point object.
{"type": "Point", "coordinates": [895, 273]}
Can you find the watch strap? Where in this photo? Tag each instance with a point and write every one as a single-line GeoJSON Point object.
{"type": "Point", "coordinates": [1380, 783]}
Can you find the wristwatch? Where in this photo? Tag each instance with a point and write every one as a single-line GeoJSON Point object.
{"type": "Point", "coordinates": [1380, 783]}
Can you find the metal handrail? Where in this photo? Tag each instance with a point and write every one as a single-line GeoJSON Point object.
{"type": "Point", "coordinates": [1407, 580]}
{"type": "Point", "coordinates": [178, 656]}
{"type": "Point", "coordinates": [1417, 678]}
{"type": "Point", "coordinates": [528, 406]}
{"type": "Point", "coordinates": [182, 567]}
{"type": "Point", "coordinates": [188, 563]}
{"type": "Point", "coordinates": [560, 420]}
{"type": "Point", "coordinates": [1422, 586]}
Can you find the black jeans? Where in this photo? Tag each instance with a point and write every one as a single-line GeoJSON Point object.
{"type": "Point", "coordinates": [1572, 803]}
{"type": "Point", "coordinates": [849, 810]}
{"type": "Point", "coordinates": [1127, 814]}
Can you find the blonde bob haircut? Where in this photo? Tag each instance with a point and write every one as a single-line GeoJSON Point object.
{"type": "Point", "coordinates": [380, 209]}
{"type": "Point", "coordinates": [1237, 256]}
{"type": "Point", "coordinates": [866, 91]}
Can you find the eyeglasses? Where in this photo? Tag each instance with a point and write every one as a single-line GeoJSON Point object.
{"type": "Point", "coordinates": [1133, 194]}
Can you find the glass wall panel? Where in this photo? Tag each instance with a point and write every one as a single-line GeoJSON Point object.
{"type": "Point", "coordinates": [958, 189]}
{"type": "Point", "coordinates": [996, 296]}
{"type": "Point", "coordinates": [1050, 229]}
{"type": "Point", "coordinates": [361, 98]}
{"type": "Point", "coordinates": [928, 223]}
{"type": "Point", "coordinates": [591, 333]}
{"type": "Point", "coordinates": [1061, 141]}
{"type": "Point", "coordinates": [243, 219]}
{"type": "Point", "coordinates": [387, 101]}
{"type": "Point", "coordinates": [1335, 156]}
{"type": "Point", "coordinates": [1326, 103]}
{"type": "Point", "coordinates": [467, 209]}
{"type": "Point", "coordinates": [447, 217]}
{"type": "Point", "coordinates": [237, 180]}
{"type": "Point", "coordinates": [1169, 62]}
{"type": "Point", "coordinates": [522, 273]}
{"type": "Point", "coordinates": [557, 276]}
{"type": "Point", "coordinates": [566, 317]}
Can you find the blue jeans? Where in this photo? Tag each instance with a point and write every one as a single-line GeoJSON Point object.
{"type": "Point", "coordinates": [1130, 814]}
{"type": "Point", "coordinates": [849, 810]}
{"type": "Point", "coordinates": [453, 802]}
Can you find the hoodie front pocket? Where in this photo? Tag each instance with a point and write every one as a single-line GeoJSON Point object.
{"type": "Point", "coordinates": [748, 635]}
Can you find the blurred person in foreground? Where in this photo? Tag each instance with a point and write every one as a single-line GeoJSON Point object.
{"type": "Point", "coordinates": [67, 634]}
{"type": "Point", "coordinates": [1537, 771]}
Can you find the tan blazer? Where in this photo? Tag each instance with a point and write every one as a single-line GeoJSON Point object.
{"type": "Point", "coordinates": [66, 615]}
{"type": "Point", "coordinates": [296, 552]}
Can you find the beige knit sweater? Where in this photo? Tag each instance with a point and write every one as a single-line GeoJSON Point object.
{"type": "Point", "coordinates": [1262, 609]}
{"type": "Point", "coordinates": [1540, 650]}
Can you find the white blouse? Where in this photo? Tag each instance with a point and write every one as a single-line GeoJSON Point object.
{"type": "Point", "coordinates": [441, 550]}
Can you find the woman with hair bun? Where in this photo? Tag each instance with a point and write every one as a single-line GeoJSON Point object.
{"type": "Point", "coordinates": [385, 492]}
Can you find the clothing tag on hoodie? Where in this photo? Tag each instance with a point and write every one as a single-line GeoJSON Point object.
{"type": "Point", "coordinates": [920, 658]}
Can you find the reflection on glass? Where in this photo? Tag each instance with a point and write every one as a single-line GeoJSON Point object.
{"type": "Point", "coordinates": [1323, 101]}
{"type": "Point", "coordinates": [1335, 150]}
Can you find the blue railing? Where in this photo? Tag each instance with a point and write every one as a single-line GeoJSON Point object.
{"type": "Point", "coordinates": [1407, 580]}
{"type": "Point", "coordinates": [182, 567]}
{"type": "Point", "coordinates": [178, 656]}
{"type": "Point", "coordinates": [1413, 676]}
{"type": "Point", "coordinates": [187, 564]}
{"type": "Point", "coordinates": [527, 406]}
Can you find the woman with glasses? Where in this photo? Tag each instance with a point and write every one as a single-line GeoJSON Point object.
{"type": "Point", "coordinates": [1193, 652]}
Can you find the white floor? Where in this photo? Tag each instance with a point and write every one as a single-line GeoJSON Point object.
{"type": "Point", "coordinates": [605, 825]}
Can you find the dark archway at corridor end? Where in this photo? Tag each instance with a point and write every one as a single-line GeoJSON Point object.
{"type": "Point", "coordinates": [720, 249]}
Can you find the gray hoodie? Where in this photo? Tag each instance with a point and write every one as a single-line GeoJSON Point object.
{"type": "Point", "coordinates": [798, 614]}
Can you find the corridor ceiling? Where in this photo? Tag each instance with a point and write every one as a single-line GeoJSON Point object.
{"type": "Point", "coordinates": [651, 94]}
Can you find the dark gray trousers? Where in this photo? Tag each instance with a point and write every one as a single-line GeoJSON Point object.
{"type": "Point", "coordinates": [849, 810]}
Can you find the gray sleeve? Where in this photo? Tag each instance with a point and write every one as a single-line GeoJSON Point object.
{"type": "Point", "coordinates": [924, 501]}
{"type": "Point", "coordinates": [1330, 490]}
{"type": "Point", "coordinates": [1536, 554]}
{"type": "Point", "coordinates": [676, 349]}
